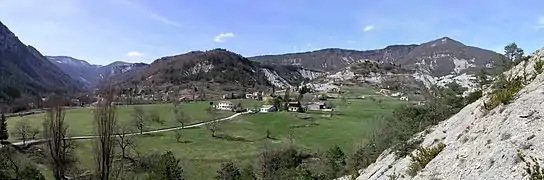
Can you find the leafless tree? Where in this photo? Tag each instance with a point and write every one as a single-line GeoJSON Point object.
{"type": "Point", "coordinates": [124, 141]}
{"type": "Point", "coordinates": [180, 116]}
{"type": "Point", "coordinates": [139, 119]}
{"type": "Point", "coordinates": [25, 130]}
{"type": "Point", "coordinates": [59, 146]}
{"type": "Point", "coordinates": [105, 124]}
{"type": "Point", "coordinates": [178, 135]}
{"type": "Point", "coordinates": [213, 125]}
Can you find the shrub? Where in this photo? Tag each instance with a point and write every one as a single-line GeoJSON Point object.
{"type": "Point", "coordinates": [228, 171]}
{"type": "Point", "coordinates": [335, 161]}
{"type": "Point", "coordinates": [275, 163]}
{"type": "Point", "coordinates": [473, 96]}
{"type": "Point", "coordinates": [423, 156]}
{"type": "Point", "coordinates": [532, 167]}
{"type": "Point", "coordinates": [538, 66]}
{"type": "Point", "coordinates": [505, 90]}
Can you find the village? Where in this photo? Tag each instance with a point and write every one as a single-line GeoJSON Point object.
{"type": "Point", "coordinates": [308, 97]}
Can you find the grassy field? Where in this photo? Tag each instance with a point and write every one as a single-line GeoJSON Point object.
{"type": "Point", "coordinates": [204, 154]}
{"type": "Point", "coordinates": [244, 138]}
{"type": "Point", "coordinates": [80, 120]}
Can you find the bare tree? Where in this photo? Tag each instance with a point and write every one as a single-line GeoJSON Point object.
{"type": "Point", "coordinates": [140, 120]}
{"type": "Point", "coordinates": [124, 141]}
{"type": "Point", "coordinates": [180, 116]}
{"type": "Point", "coordinates": [213, 125]}
{"type": "Point", "coordinates": [25, 130]}
{"type": "Point", "coordinates": [178, 135]}
{"type": "Point", "coordinates": [105, 124]}
{"type": "Point", "coordinates": [59, 146]}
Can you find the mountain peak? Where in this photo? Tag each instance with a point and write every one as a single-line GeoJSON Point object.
{"type": "Point", "coordinates": [445, 41]}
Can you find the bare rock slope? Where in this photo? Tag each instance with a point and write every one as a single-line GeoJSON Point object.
{"type": "Point", "coordinates": [480, 145]}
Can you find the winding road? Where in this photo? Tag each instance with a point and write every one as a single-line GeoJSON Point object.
{"type": "Point", "coordinates": [34, 141]}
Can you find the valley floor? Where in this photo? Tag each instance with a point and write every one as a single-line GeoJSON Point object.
{"type": "Point", "coordinates": [242, 139]}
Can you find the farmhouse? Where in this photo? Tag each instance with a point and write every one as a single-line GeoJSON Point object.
{"type": "Point", "coordinates": [293, 106]}
{"type": "Point", "coordinates": [315, 105]}
{"type": "Point", "coordinates": [267, 108]}
{"type": "Point", "coordinates": [254, 95]}
{"type": "Point", "coordinates": [225, 105]}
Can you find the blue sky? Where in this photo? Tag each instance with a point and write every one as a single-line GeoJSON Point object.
{"type": "Point", "coordinates": [102, 31]}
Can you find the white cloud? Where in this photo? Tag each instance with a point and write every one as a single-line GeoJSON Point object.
{"type": "Point", "coordinates": [142, 9]}
{"type": "Point", "coordinates": [223, 37]}
{"type": "Point", "coordinates": [540, 24]}
{"type": "Point", "coordinates": [352, 42]}
{"type": "Point", "coordinates": [164, 20]}
{"type": "Point", "coordinates": [368, 28]}
{"type": "Point", "coordinates": [134, 54]}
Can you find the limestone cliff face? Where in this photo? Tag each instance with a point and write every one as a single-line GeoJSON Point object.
{"type": "Point", "coordinates": [481, 145]}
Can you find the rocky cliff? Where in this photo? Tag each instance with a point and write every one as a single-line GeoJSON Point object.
{"type": "Point", "coordinates": [480, 144]}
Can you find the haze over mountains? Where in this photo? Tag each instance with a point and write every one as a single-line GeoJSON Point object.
{"type": "Point", "coordinates": [89, 75]}
{"type": "Point", "coordinates": [435, 62]}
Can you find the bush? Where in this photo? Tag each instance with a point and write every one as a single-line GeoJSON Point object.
{"type": "Point", "coordinates": [473, 96]}
{"type": "Point", "coordinates": [335, 161]}
{"type": "Point", "coordinates": [423, 156]}
{"type": "Point", "coordinates": [538, 66]}
{"type": "Point", "coordinates": [160, 166]}
{"type": "Point", "coordinates": [532, 167]}
{"type": "Point", "coordinates": [275, 163]}
{"type": "Point", "coordinates": [228, 171]}
{"type": "Point", "coordinates": [505, 90]}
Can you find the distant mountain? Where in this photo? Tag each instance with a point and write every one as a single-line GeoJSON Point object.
{"type": "Point", "coordinates": [78, 70]}
{"type": "Point", "coordinates": [24, 70]}
{"type": "Point", "coordinates": [446, 56]}
{"type": "Point", "coordinates": [439, 57]}
{"type": "Point", "coordinates": [89, 75]}
{"type": "Point", "coordinates": [334, 59]}
{"type": "Point", "coordinates": [216, 71]}
{"type": "Point", "coordinates": [437, 62]}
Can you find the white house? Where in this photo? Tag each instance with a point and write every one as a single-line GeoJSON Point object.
{"type": "Point", "coordinates": [267, 108]}
{"type": "Point", "coordinates": [404, 98]}
{"type": "Point", "coordinates": [225, 105]}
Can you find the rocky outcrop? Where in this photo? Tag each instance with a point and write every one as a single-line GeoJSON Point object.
{"type": "Point", "coordinates": [480, 144]}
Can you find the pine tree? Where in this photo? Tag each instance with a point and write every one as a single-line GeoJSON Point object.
{"type": "Point", "coordinates": [3, 128]}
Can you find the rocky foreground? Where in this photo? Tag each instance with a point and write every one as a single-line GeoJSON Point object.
{"type": "Point", "coordinates": [480, 144]}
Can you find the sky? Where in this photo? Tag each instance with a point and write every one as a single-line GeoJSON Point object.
{"type": "Point", "coordinates": [103, 31]}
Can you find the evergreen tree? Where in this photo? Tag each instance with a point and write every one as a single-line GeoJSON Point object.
{"type": "Point", "coordinates": [336, 161]}
{"type": "Point", "coordinates": [228, 171]}
{"type": "Point", "coordinates": [167, 167]}
{"type": "Point", "coordinates": [3, 128]}
{"type": "Point", "coordinates": [513, 52]}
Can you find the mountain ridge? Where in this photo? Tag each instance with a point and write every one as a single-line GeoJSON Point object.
{"type": "Point", "coordinates": [25, 69]}
{"type": "Point", "coordinates": [335, 59]}
{"type": "Point", "coordinates": [90, 74]}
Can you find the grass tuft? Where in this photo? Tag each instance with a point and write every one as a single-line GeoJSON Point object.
{"type": "Point", "coordinates": [422, 157]}
{"type": "Point", "coordinates": [538, 66]}
{"type": "Point", "coordinates": [505, 91]}
{"type": "Point", "coordinates": [532, 167]}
